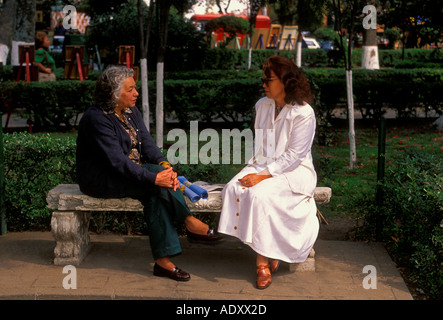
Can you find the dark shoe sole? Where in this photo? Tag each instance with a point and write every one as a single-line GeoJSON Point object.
{"type": "Point", "coordinates": [262, 288]}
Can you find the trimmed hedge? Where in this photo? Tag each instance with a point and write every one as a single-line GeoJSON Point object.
{"type": "Point", "coordinates": [376, 90]}
{"type": "Point", "coordinates": [231, 95]}
{"type": "Point", "coordinates": [179, 60]}
{"type": "Point", "coordinates": [228, 59]}
{"type": "Point", "coordinates": [49, 104]}
{"type": "Point", "coordinates": [34, 164]}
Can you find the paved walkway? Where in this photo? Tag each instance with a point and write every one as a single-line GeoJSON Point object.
{"type": "Point", "coordinates": [120, 267]}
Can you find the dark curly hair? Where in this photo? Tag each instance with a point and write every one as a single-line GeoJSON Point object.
{"type": "Point", "coordinates": [297, 87]}
{"type": "Point", "coordinates": [109, 86]}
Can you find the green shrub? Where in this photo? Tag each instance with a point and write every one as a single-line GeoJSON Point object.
{"type": "Point", "coordinates": [34, 164]}
{"type": "Point", "coordinates": [234, 59]}
{"type": "Point", "coordinates": [412, 217]}
{"type": "Point", "coordinates": [231, 95]}
{"type": "Point", "coordinates": [231, 100]}
{"type": "Point", "coordinates": [376, 90]}
{"type": "Point", "coordinates": [51, 105]}
{"type": "Point", "coordinates": [389, 58]}
{"type": "Point", "coordinates": [412, 64]}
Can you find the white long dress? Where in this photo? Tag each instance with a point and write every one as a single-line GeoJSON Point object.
{"type": "Point", "coordinates": [277, 216]}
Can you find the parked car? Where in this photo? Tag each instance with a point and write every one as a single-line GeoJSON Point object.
{"type": "Point", "coordinates": [327, 45]}
{"type": "Point", "coordinates": [310, 43]}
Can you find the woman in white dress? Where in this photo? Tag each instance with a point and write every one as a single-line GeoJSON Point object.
{"type": "Point", "coordinates": [269, 204]}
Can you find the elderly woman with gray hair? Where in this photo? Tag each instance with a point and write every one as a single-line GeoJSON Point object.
{"type": "Point", "coordinates": [117, 157]}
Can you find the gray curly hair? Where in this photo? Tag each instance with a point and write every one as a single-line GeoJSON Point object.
{"type": "Point", "coordinates": [109, 86]}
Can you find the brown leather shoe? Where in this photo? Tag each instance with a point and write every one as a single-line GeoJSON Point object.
{"type": "Point", "coordinates": [275, 264]}
{"type": "Point", "coordinates": [176, 274]}
{"type": "Point", "coordinates": [263, 278]}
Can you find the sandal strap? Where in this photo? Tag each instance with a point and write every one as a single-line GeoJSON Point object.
{"type": "Point", "coordinates": [263, 266]}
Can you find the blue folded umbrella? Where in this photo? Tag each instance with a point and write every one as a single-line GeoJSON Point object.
{"type": "Point", "coordinates": [190, 194]}
{"type": "Point", "coordinates": [198, 190]}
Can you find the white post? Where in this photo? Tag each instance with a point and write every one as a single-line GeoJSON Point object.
{"type": "Point", "coordinates": [370, 57]}
{"type": "Point", "coordinates": [369, 48]}
{"type": "Point", "coordinates": [298, 56]}
{"type": "Point", "coordinates": [159, 106]}
{"type": "Point", "coordinates": [144, 90]}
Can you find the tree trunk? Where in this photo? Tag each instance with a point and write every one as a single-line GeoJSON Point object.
{"type": "Point", "coordinates": [159, 115]}
{"type": "Point", "coordinates": [144, 42]}
{"type": "Point", "coordinates": [24, 27]}
{"type": "Point", "coordinates": [350, 98]}
{"type": "Point", "coordinates": [350, 94]}
{"type": "Point", "coordinates": [348, 65]}
{"type": "Point", "coordinates": [163, 17]}
{"type": "Point", "coordinates": [249, 55]}
{"type": "Point", "coordinates": [254, 8]}
{"type": "Point", "coordinates": [144, 91]}
{"type": "Point", "coordinates": [370, 50]}
{"type": "Point", "coordinates": [7, 27]}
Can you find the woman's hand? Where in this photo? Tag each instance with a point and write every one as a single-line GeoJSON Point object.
{"type": "Point", "coordinates": [167, 178]}
{"type": "Point", "coordinates": [252, 179]}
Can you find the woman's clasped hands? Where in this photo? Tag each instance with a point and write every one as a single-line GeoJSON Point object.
{"type": "Point", "coordinates": [167, 178]}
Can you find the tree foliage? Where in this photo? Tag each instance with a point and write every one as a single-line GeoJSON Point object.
{"type": "Point", "coordinates": [110, 30]}
{"type": "Point", "coordinates": [230, 24]}
{"type": "Point", "coordinates": [423, 19]}
{"type": "Point", "coordinates": [306, 14]}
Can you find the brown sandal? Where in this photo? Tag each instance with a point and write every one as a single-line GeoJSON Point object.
{"type": "Point", "coordinates": [263, 278]}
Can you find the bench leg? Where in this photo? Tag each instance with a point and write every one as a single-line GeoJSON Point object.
{"type": "Point", "coordinates": [70, 231]}
{"type": "Point", "coordinates": [307, 265]}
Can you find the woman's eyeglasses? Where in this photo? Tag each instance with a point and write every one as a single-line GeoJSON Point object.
{"type": "Point", "coordinates": [267, 80]}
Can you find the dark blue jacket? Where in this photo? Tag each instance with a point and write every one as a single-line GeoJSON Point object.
{"type": "Point", "coordinates": [103, 165]}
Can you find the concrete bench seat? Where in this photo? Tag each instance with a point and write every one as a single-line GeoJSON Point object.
{"type": "Point", "coordinates": [73, 209]}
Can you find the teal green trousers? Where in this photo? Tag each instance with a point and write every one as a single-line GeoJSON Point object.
{"type": "Point", "coordinates": [164, 210]}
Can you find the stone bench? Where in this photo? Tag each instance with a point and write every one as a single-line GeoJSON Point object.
{"type": "Point", "coordinates": [72, 212]}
